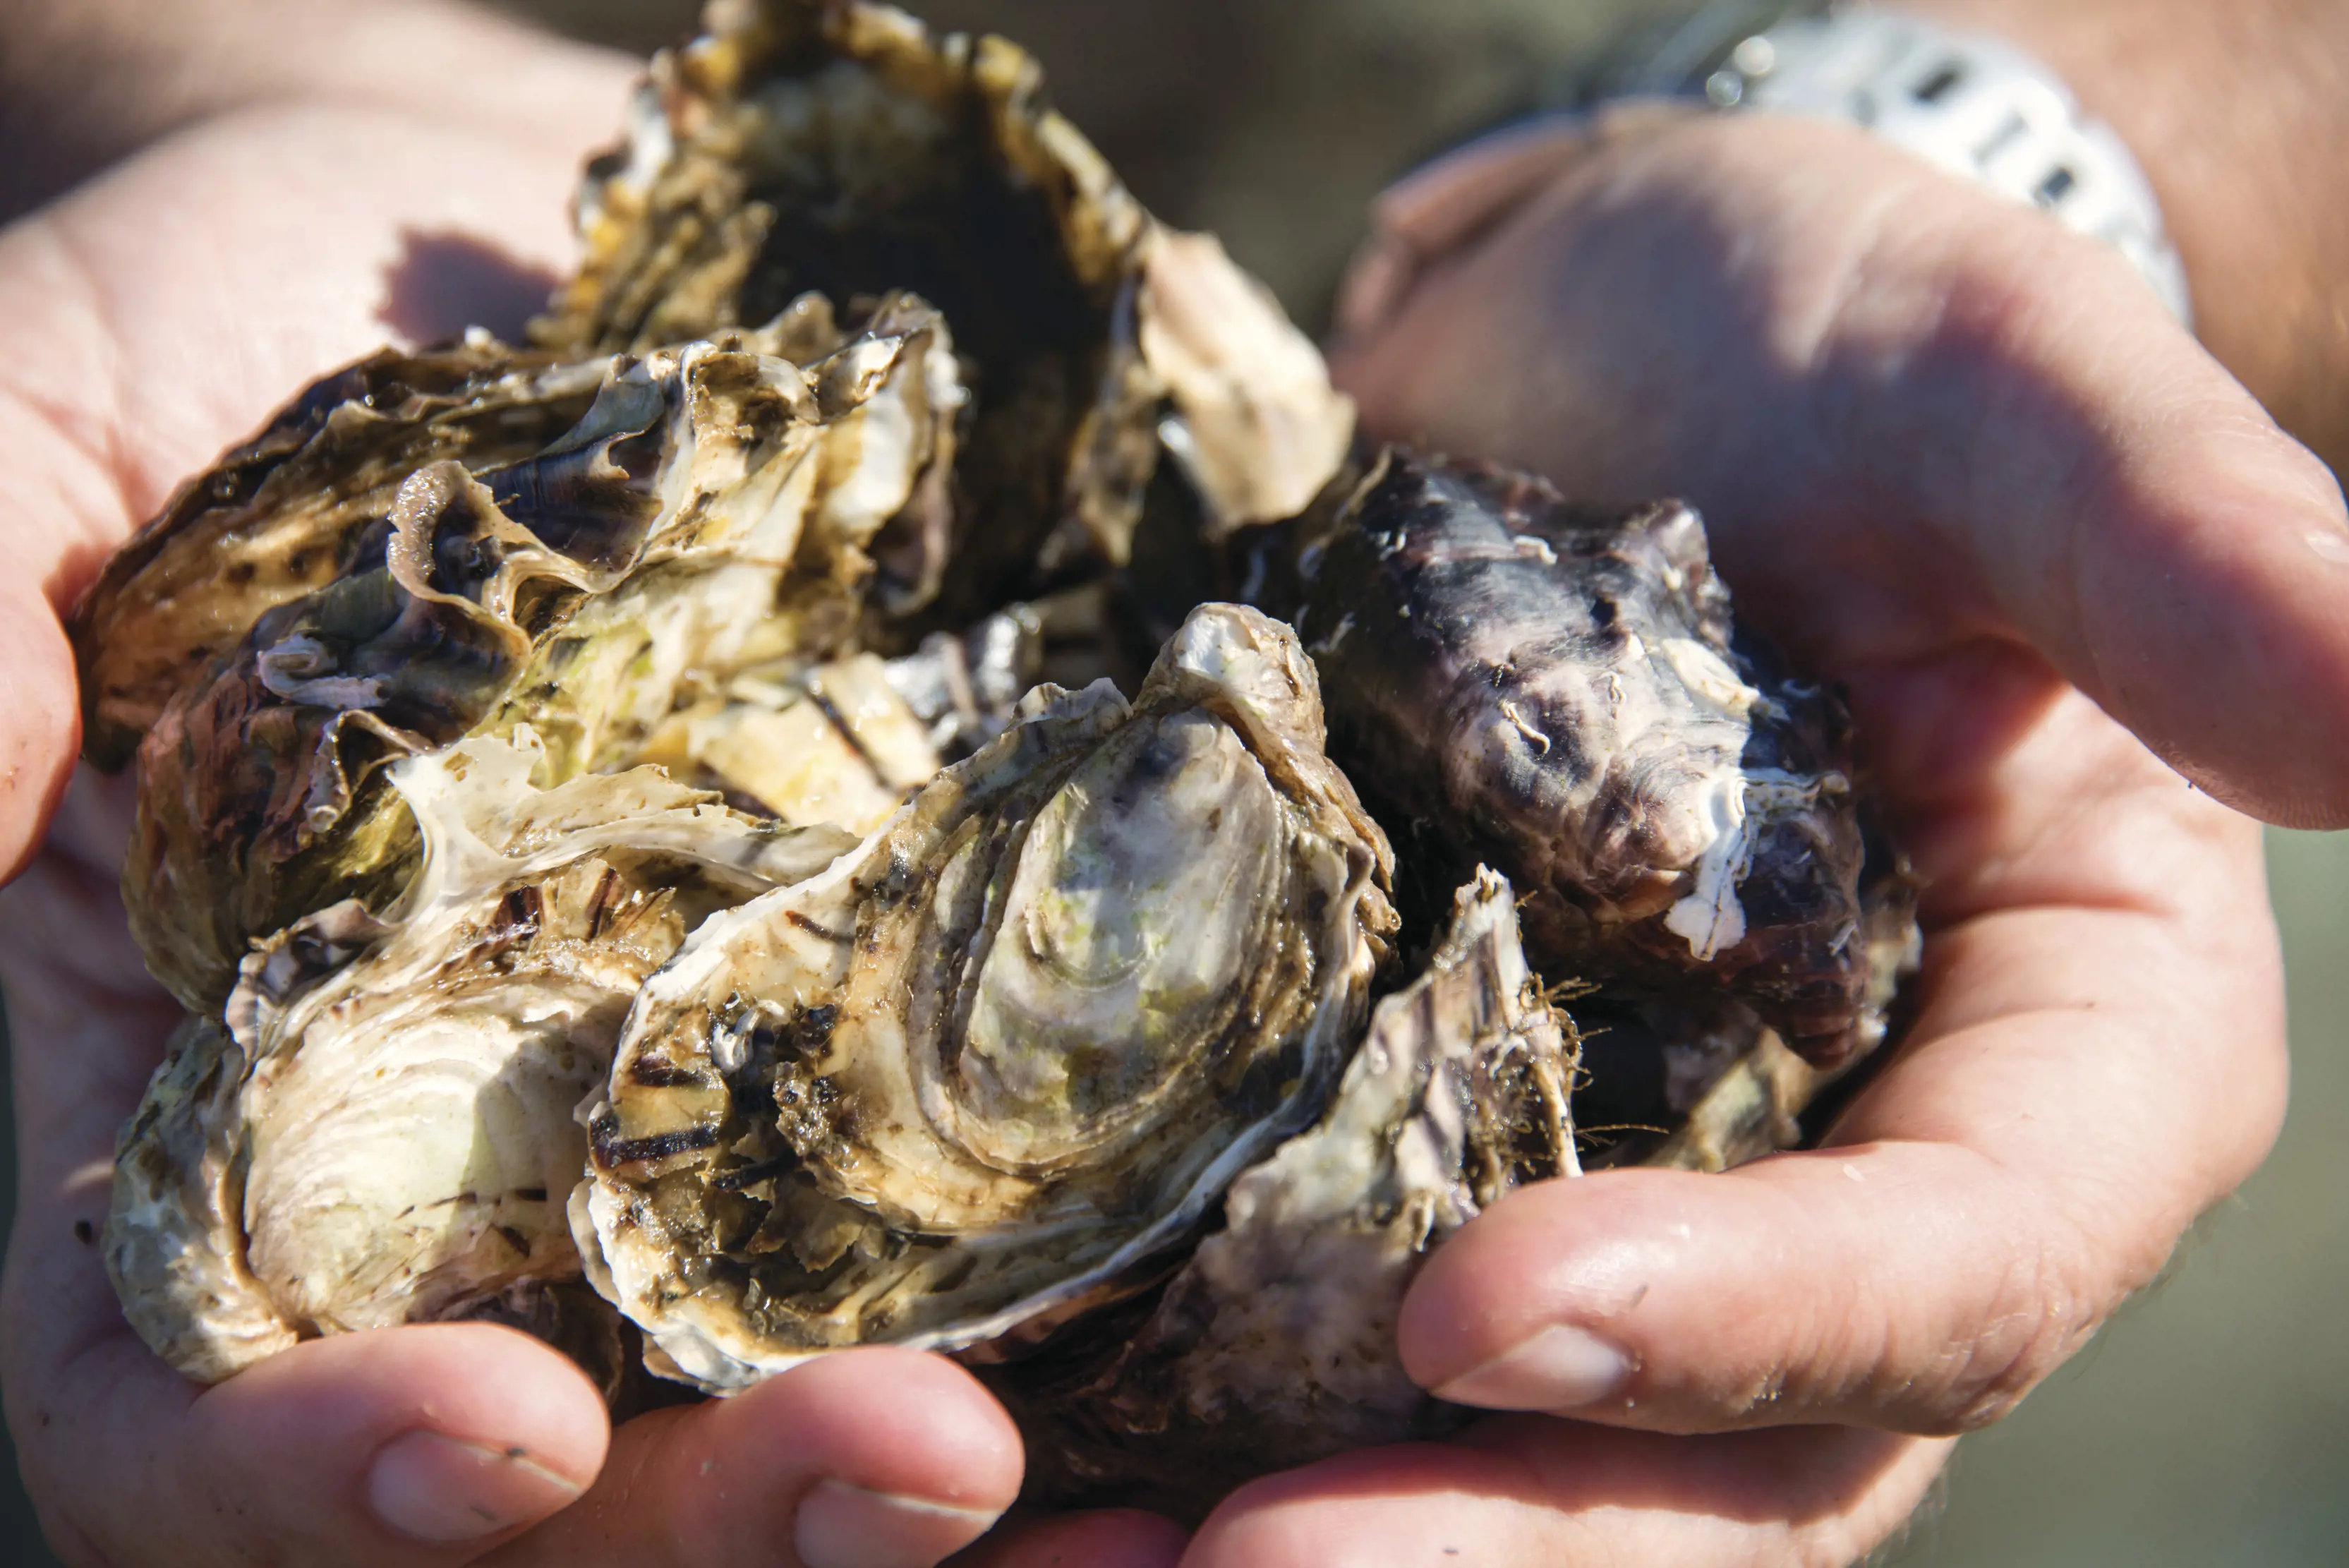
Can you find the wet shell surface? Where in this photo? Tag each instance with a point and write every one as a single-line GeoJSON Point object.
{"type": "Point", "coordinates": [1557, 690]}
{"type": "Point", "coordinates": [1274, 1345]}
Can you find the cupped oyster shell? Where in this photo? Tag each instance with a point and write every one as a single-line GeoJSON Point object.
{"type": "Point", "coordinates": [837, 145]}
{"type": "Point", "coordinates": [381, 1129]}
{"type": "Point", "coordinates": [708, 512]}
{"type": "Point", "coordinates": [1274, 1345]}
{"type": "Point", "coordinates": [1012, 1048]}
{"type": "Point", "coordinates": [1556, 690]}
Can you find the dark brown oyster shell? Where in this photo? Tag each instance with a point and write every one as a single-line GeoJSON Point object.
{"type": "Point", "coordinates": [1556, 690]}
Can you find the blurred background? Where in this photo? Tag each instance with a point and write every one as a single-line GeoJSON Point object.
{"type": "Point", "coordinates": [2210, 1424]}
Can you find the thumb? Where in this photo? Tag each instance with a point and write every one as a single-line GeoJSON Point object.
{"type": "Point", "coordinates": [1912, 415]}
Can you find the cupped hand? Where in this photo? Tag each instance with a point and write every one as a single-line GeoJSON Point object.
{"type": "Point", "coordinates": [145, 321]}
{"type": "Point", "coordinates": [2080, 591]}
{"type": "Point", "coordinates": [1954, 459]}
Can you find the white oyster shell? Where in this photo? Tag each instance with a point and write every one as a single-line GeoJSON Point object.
{"type": "Point", "coordinates": [382, 1131]}
{"type": "Point", "coordinates": [1014, 1046]}
{"type": "Point", "coordinates": [710, 513]}
{"type": "Point", "coordinates": [833, 744]}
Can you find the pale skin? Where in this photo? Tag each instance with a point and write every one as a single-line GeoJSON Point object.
{"type": "Point", "coordinates": [1958, 460]}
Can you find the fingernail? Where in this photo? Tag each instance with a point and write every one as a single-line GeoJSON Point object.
{"type": "Point", "coordinates": [443, 1488]}
{"type": "Point", "coordinates": [843, 1526]}
{"type": "Point", "coordinates": [2330, 547]}
{"type": "Point", "coordinates": [1560, 1368]}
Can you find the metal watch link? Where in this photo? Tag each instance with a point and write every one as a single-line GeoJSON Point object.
{"type": "Point", "coordinates": [1970, 105]}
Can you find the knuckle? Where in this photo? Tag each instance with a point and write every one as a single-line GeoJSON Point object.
{"type": "Point", "coordinates": [2044, 1312]}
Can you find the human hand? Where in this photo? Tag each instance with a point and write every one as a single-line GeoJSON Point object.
{"type": "Point", "coordinates": [145, 321]}
{"type": "Point", "coordinates": [1963, 463]}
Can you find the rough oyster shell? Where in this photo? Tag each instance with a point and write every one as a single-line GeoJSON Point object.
{"type": "Point", "coordinates": [293, 508]}
{"type": "Point", "coordinates": [1556, 692]}
{"type": "Point", "coordinates": [1011, 1049]}
{"type": "Point", "coordinates": [836, 146]}
{"type": "Point", "coordinates": [381, 1132]}
{"type": "Point", "coordinates": [708, 512]}
{"type": "Point", "coordinates": [1274, 1345]}
{"type": "Point", "coordinates": [967, 689]}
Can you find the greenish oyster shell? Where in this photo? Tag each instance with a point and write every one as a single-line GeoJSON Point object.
{"type": "Point", "coordinates": [708, 513]}
{"type": "Point", "coordinates": [293, 508]}
{"type": "Point", "coordinates": [994, 1062]}
{"type": "Point", "coordinates": [838, 147]}
{"type": "Point", "coordinates": [1274, 1344]}
{"type": "Point", "coordinates": [381, 1131]}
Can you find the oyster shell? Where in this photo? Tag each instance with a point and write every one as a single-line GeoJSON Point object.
{"type": "Point", "coordinates": [1274, 1345]}
{"type": "Point", "coordinates": [1012, 1048]}
{"type": "Point", "coordinates": [708, 512]}
{"type": "Point", "coordinates": [1556, 692]}
{"type": "Point", "coordinates": [833, 744]}
{"type": "Point", "coordinates": [296, 508]}
{"type": "Point", "coordinates": [381, 1130]}
{"type": "Point", "coordinates": [837, 146]}
{"type": "Point", "coordinates": [967, 689]}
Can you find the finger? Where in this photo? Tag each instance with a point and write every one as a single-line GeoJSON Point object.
{"type": "Point", "coordinates": [1909, 414]}
{"type": "Point", "coordinates": [2098, 1059]}
{"type": "Point", "coordinates": [1106, 1538]}
{"type": "Point", "coordinates": [1534, 1493]}
{"type": "Point", "coordinates": [1434, 209]}
{"type": "Point", "coordinates": [422, 1446]}
{"type": "Point", "coordinates": [869, 1458]}
{"type": "Point", "coordinates": [1437, 209]}
{"type": "Point", "coordinates": [417, 1446]}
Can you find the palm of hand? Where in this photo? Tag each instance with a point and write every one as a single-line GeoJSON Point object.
{"type": "Point", "coordinates": [2092, 917]}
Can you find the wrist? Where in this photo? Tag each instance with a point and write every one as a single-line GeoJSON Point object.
{"type": "Point", "coordinates": [2234, 114]}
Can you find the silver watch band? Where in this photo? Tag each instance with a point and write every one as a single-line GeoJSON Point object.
{"type": "Point", "coordinates": [1973, 105]}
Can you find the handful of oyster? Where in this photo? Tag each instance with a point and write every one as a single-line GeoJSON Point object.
{"type": "Point", "coordinates": [849, 793]}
